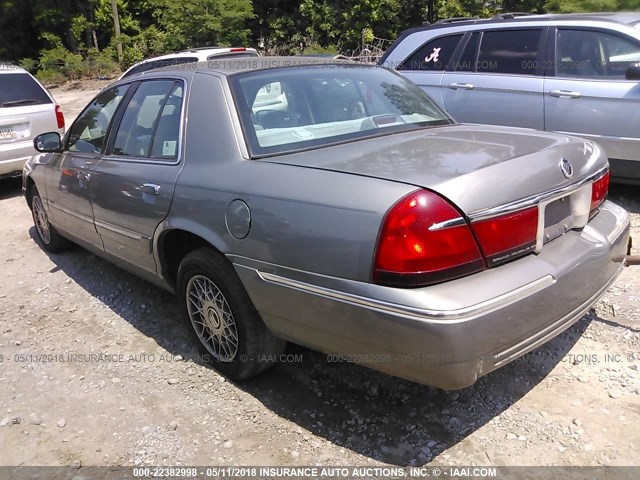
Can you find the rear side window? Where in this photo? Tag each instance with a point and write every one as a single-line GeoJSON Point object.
{"type": "Point", "coordinates": [509, 51]}
{"type": "Point", "coordinates": [433, 55]}
{"type": "Point", "coordinates": [150, 125]}
{"type": "Point", "coordinates": [17, 89]}
{"type": "Point", "coordinates": [585, 53]}
{"type": "Point", "coordinates": [166, 62]}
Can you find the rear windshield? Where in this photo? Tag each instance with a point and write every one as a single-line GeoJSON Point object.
{"type": "Point", "coordinates": [19, 89]}
{"type": "Point", "coordinates": [165, 62]}
{"type": "Point", "coordinates": [288, 109]}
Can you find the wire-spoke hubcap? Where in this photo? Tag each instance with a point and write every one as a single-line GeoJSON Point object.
{"type": "Point", "coordinates": [41, 220]}
{"type": "Point", "coordinates": [212, 318]}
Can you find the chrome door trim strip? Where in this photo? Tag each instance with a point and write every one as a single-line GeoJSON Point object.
{"type": "Point", "coordinates": [77, 215]}
{"type": "Point", "coordinates": [596, 137]}
{"type": "Point", "coordinates": [120, 230]}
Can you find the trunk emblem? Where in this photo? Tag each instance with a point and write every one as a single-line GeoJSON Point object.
{"type": "Point", "coordinates": [566, 167]}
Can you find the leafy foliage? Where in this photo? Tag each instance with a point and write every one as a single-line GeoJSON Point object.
{"type": "Point", "coordinates": [74, 38]}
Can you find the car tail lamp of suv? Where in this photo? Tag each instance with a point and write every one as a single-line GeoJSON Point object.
{"type": "Point", "coordinates": [599, 191]}
{"type": "Point", "coordinates": [424, 240]}
{"type": "Point", "coordinates": [59, 117]}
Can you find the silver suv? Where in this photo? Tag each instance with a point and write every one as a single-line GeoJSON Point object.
{"type": "Point", "coordinates": [27, 109]}
{"type": "Point", "coordinates": [575, 74]}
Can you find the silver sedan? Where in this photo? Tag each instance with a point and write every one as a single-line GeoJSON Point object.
{"type": "Point", "coordinates": [335, 206]}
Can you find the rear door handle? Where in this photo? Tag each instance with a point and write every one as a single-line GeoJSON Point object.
{"type": "Point", "coordinates": [564, 94]}
{"type": "Point", "coordinates": [465, 86]}
{"type": "Point", "coordinates": [150, 188]}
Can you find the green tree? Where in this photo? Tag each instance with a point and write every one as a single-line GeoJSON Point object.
{"type": "Point", "coordinates": [573, 6]}
{"type": "Point", "coordinates": [196, 23]}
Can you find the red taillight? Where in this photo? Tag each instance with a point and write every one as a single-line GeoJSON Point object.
{"type": "Point", "coordinates": [59, 117]}
{"type": "Point", "coordinates": [424, 240]}
{"type": "Point", "coordinates": [238, 49]}
{"type": "Point", "coordinates": [507, 236]}
{"type": "Point", "coordinates": [599, 191]}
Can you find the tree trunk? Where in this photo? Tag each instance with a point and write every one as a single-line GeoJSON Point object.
{"type": "Point", "coordinates": [116, 27]}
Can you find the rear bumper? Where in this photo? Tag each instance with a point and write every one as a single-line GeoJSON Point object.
{"type": "Point", "coordinates": [446, 335]}
{"type": "Point", "coordinates": [13, 156]}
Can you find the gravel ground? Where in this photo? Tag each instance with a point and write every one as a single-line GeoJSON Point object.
{"type": "Point", "coordinates": [137, 393]}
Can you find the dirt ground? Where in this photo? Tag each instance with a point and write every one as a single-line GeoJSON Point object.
{"type": "Point", "coordinates": [131, 389]}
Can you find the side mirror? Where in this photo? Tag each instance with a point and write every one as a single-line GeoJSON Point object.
{"type": "Point", "coordinates": [48, 142]}
{"type": "Point", "coordinates": [633, 72]}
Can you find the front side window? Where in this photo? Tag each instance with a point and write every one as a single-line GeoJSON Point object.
{"type": "Point", "coordinates": [150, 125]}
{"type": "Point", "coordinates": [509, 51]}
{"type": "Point", "coordinates": [89, 132]}
{"type": "Point", "coordinates": [589, 53]}
{"type": "Point", "coordinates": [434, 55]}
{"type": "Point", "coordinates": [288, 109]}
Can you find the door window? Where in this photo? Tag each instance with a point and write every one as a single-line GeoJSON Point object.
{"type": "Point", "coordinates": [150, 125]}
{"type": "Point", "coordinates": [590, 53]}
{"type": "Point", "coordinates": [509, 51]}
{"type": "Point", "coordinates": [89, 132]}
{"type": "Point", "coordinates": [467, 61]}
{"type": "Point", "coordinates": [434, 55]}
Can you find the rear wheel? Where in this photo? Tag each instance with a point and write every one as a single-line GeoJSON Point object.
{"type": "Point", "coordinates": [48, 236]}
{"type": "Point", "coordinates": [221, 316]}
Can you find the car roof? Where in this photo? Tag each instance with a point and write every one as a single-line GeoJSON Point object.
{"type": "Point", "coordinates": [231, 66]}
{"type": "Point", "coordinates": [6, 67]}
{"type": "Point", "coordinates": [627, 18]}
{"type": "Point", "coordinates": [200, 52]}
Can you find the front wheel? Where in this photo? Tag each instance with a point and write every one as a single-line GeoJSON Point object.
{"type": "Point", "coordinates": [48, 236]}
{"type": "Point", "coordinates": [221, 316]}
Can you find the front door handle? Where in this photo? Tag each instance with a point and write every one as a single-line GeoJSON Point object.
{"type": "Point", "coordinates": [564, 94]}
{"type": "Point", "coordinates": [465, 86]}
{"type": "Point", "coordinates": [150, 188]}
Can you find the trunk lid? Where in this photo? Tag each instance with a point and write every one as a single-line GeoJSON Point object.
{"type": "Point", "coordinates": [477, 167]}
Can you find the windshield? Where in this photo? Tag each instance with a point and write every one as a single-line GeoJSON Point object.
{"type": "Point", "coordinates": [289, 109]}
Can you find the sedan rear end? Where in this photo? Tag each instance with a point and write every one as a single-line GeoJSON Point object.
{"type": "Point", "coordinates": [502, 240]}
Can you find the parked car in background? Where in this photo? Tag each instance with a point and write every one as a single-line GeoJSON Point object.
{"type": "Point", "coordinates": [27, 109]}
{"type": "Point", "coordinates": [576, 74]}
{"type": "Point", "coordinates": [191, 56]}
{"type": "Point", "coordinates": [360, 220]}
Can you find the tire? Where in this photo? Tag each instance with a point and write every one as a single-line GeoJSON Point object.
{"type": "Point", "coordinates": [227, 327]}
{"type": "Point", "coordinates": [48, 236]}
